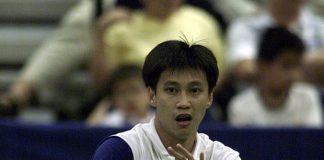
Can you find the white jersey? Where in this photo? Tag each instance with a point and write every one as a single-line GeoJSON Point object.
{"type": "Point", "coordinates": [146, 144]}
{"type": "Point", "coordinates": [302, 108]}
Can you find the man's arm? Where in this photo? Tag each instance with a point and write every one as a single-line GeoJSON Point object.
{"type": "Point", "coordinates": [101, 66]}
{"type": "Point", "coordinates": [69, 47]}
{"type": "Point", "coordinates": [113, 148]}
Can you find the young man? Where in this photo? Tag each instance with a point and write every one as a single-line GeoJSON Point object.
{"type": "Point", "coordinates": [277, 99]}
{"type": "Point", "coordinates": [180, 79]}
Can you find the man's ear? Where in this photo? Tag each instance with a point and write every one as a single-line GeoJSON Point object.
{"type": "Point", "coordinates": [152, 97]}
{"type": "Point", "coordinates": [210, 99]}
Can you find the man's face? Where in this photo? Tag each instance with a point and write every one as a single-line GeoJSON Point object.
{"type": "Point", "coordinates": [181, 99]}
{"type": "Point", "coordinates": [278, 76]}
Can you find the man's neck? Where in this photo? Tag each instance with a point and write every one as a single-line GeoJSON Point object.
{"type": "Point", "coordinates": [169, 140]}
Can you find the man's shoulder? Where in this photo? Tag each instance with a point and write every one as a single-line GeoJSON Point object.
{"type": "Point", "coordinates": [216, 149]}
{"type": "Point", "coordinates": [123, 145]}
{"type": "Point", "coordinates": [113, 148]}
{"type": "Point", "coordinates": [135, 132]}
{"type": "Point", "coordinates": [139, 138]}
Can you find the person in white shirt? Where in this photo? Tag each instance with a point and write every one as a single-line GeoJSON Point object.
{"type": "Point", "coordinates": [244, 34]}
{"type": "Point", "coordinates": [277, 99]}
{"type": "Point", "coordinates": [180, 78]}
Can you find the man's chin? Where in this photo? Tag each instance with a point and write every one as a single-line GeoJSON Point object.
{"type": "Point", "coordinates": [184, 132]}
{"type": "Point", "coordinates": [183, 135]}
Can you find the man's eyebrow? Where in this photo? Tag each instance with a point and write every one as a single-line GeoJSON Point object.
{"type": "Point", "coordinates": [196, 83]}
{"type": "Point", "coordinates": [174, 83]}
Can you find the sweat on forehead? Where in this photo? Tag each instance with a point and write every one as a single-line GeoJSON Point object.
{"type": "Point", "coordinates": [176, 55]}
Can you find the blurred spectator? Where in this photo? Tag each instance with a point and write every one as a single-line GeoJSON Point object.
{"type": "Point", "coordinates": [129, 41]}
{"type": "Point", "coordinates": [277, 99]}
{"type": "Point", "coordinates": [126, 102]}
{"type": "Point", "coordinates": [243, 38]}
{"type": "Point", "coordinates": [64, 52]}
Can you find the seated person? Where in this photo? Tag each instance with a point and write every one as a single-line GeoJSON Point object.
{"type": "Point", "coordinates": [128, 41]}
{"type": "Point", "coordinates": [54, 60]}
{"type": "Point", "coordinates": [127, 100]}
{"type": "Point", "coordinates": [277, 99]}
{"type": "Point", "coordinates": [244, 34]}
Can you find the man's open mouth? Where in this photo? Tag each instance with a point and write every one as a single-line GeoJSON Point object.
{"type": "Point", "coordinates": [183, 119]}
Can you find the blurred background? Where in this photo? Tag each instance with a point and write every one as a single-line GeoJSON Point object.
{"type": "Point", "coordinates": [49, 48]}
{"type": "Point", "coordinates": [27, 26]}
{"type": "Point", "coordinates": [24, 26]}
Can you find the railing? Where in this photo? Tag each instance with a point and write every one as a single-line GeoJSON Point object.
{"type": "Point", "coordinates": [76, 141]}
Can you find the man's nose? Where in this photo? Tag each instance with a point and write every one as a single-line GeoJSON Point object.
{"type": "Point", "coordinates": [184, 101]}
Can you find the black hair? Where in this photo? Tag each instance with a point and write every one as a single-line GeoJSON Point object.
{"type": "Point", "coordinates": [277, 39]}
{"type": "Point", "coordinates": [178, 55]}
{"type": "Point", "coordinates": [123, 72]}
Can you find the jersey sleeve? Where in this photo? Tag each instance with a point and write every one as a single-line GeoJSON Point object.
{"type": "Point", "coordinates": [113, 148]}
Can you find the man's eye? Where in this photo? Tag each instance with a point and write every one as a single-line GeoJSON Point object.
{"type": "Point", "coordinates": [171, 90]}
{"type": "Point", "coordinates": [195, 90]}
